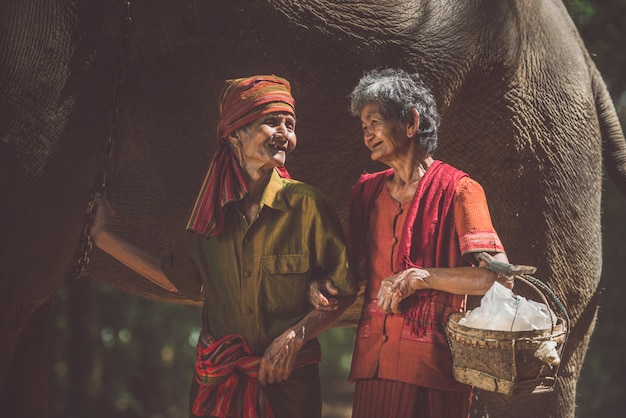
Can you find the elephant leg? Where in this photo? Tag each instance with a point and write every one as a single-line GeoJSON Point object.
{"type": "Point", "coordinates": [25, 393]}
{"type": "Point", "coordinates": [574, 356]}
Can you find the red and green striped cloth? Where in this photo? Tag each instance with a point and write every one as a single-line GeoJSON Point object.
{"type": "Point", "coordinates": [227, 375]}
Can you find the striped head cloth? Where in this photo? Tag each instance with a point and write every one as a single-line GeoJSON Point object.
{"type": "Point", "coordinates": [242, 101]}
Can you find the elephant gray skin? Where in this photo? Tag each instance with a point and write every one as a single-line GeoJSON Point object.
{"type": "Point", "coordinates": [524, 111]}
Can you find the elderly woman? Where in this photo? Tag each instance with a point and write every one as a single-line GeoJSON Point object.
{"type": "Point", "coordinates": [254, 241]}
{"type": "Point", "coordinates": [418, 234]}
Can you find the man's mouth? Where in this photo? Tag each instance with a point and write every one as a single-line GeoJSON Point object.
{"type": "Point", "coordinates": [277, 145]}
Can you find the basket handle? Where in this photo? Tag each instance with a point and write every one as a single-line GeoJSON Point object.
{"type": "Point", "coordinates": [541, 288]}
{"type": "Point", "coordinates": [522, 273]}
{"type": "Point", "coordinates": [536, 285]}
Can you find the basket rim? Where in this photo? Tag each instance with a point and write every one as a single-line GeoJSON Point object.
{"type": "Point", "coordinates": [453, 327]}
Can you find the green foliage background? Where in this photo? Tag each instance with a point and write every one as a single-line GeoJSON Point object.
{"type": "Point", "coordinates": [119, 356]}
{"type": "Point", "coordinates": [602, 387]}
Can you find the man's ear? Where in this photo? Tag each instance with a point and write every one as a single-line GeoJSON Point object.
{"type": "Point", "coordinates": [413, 124]}
{"type": "Point", "coordinates": [233, 138]}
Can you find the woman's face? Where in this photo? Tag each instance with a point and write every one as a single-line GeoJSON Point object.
{"type": "Point", "coordinates": [386, 139]}
{"type": "Point", "coordinates": [267, 141]}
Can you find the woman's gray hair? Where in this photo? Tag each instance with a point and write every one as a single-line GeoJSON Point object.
{"type": "Point", "coordinates": [396, 92]}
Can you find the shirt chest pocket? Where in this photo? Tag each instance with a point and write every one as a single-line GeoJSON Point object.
{"type": "Point", "coordinates": [286, 283]}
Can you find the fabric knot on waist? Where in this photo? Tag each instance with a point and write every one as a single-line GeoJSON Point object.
{"type": "Point", "coordinates": [227, 374]}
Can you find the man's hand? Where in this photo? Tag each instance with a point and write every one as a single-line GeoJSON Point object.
{"type": "Point", "coordinates": [320, 291]}
{"type": "Point", "coordinates": [396, 288]}
{"type": "Point", "coordinates": [280, 357]}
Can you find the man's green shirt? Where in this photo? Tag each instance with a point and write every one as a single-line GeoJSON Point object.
{"type": "Point", "coordinates": [255, 276]}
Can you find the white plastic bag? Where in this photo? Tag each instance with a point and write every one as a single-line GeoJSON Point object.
{"type": "Point", "coordinates": [502, 310]}
{"type": "Point", "coordinates": [548, 354]}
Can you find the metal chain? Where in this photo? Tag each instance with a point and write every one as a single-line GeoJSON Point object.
{"type": "Point", "coordinates": [113, 122]}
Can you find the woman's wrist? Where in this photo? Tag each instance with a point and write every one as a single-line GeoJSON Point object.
{"type": "Point", "coordinates": [418, 279]}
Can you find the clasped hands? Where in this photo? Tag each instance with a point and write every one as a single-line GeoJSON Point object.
{"type": "Point", "coordinates": [394, 289]}
{"type": "Point", "coordinates": [279, 358]}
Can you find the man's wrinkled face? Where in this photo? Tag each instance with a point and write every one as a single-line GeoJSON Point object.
{"type": "Point", "coordinates": [267, 141]}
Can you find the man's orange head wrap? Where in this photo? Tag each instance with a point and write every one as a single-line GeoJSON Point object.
{"type": "Point", "coordinates": [241, 102]}
{"type": "Point", "coordinates": [244, 100]}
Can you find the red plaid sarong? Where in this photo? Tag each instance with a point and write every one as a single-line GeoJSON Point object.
{"type": "Point", "coordinates": [227, 375]}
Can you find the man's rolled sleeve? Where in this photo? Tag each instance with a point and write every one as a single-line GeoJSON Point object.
{"type": "Point", "coordinates": [180, 268]}
{"type": "Point", "coordinates": [332, 251]}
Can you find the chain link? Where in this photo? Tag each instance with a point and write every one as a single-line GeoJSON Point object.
{"type": "Point", "coordinates": [113, 122]}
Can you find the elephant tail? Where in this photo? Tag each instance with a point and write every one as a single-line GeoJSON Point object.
{"type": "Point", "coordinates": [613, 142]}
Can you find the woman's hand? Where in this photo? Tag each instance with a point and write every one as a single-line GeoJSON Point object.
{"type": "Point", "coordinates": [102, 218]}
{"type": "Point", "coordinates": [280, 357]}
{"type": "Point", "coordinates": [396, 288]}
{"type": "Point", "coordinates": [320, 291]}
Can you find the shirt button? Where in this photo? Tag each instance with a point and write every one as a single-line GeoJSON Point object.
{"type": "Point", "coordinates": [385, 338]}
{"type": "Point", "coordinates": [246, 240]}
{"type": "Point", "coordinates": [246, 273]}
{"type": "Point", "coordinates": [249, 311]}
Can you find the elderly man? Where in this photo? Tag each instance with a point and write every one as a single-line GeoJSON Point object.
{"type": "Point", "coordinates": [254, 241]}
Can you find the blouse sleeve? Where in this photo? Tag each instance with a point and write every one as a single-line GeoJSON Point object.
{"type": "Point", "coordinates": [473, 221]}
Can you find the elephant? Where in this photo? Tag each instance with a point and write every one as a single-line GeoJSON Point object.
{"type": "Point", "coordinates": [523, 110]}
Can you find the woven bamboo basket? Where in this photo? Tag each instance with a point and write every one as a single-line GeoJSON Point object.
{"type": "Point", "coordinates": [504, 361]}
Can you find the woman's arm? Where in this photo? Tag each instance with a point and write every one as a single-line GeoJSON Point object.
{"type": "Point", "coordinates": [138, 260]}
{"type": "Point", "coordinates": [457, 280]}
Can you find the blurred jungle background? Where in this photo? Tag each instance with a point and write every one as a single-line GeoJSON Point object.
{"type": "Point", "coordinates": [120, 356]}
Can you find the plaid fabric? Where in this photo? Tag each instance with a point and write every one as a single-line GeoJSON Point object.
{"type": "Point", "coordinates": [242, 101]}
{"type": "Point", "coordinates": [227, 375]}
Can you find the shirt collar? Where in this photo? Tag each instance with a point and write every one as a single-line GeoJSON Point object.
{"type": "Point", "coordinates": [274, 194]}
